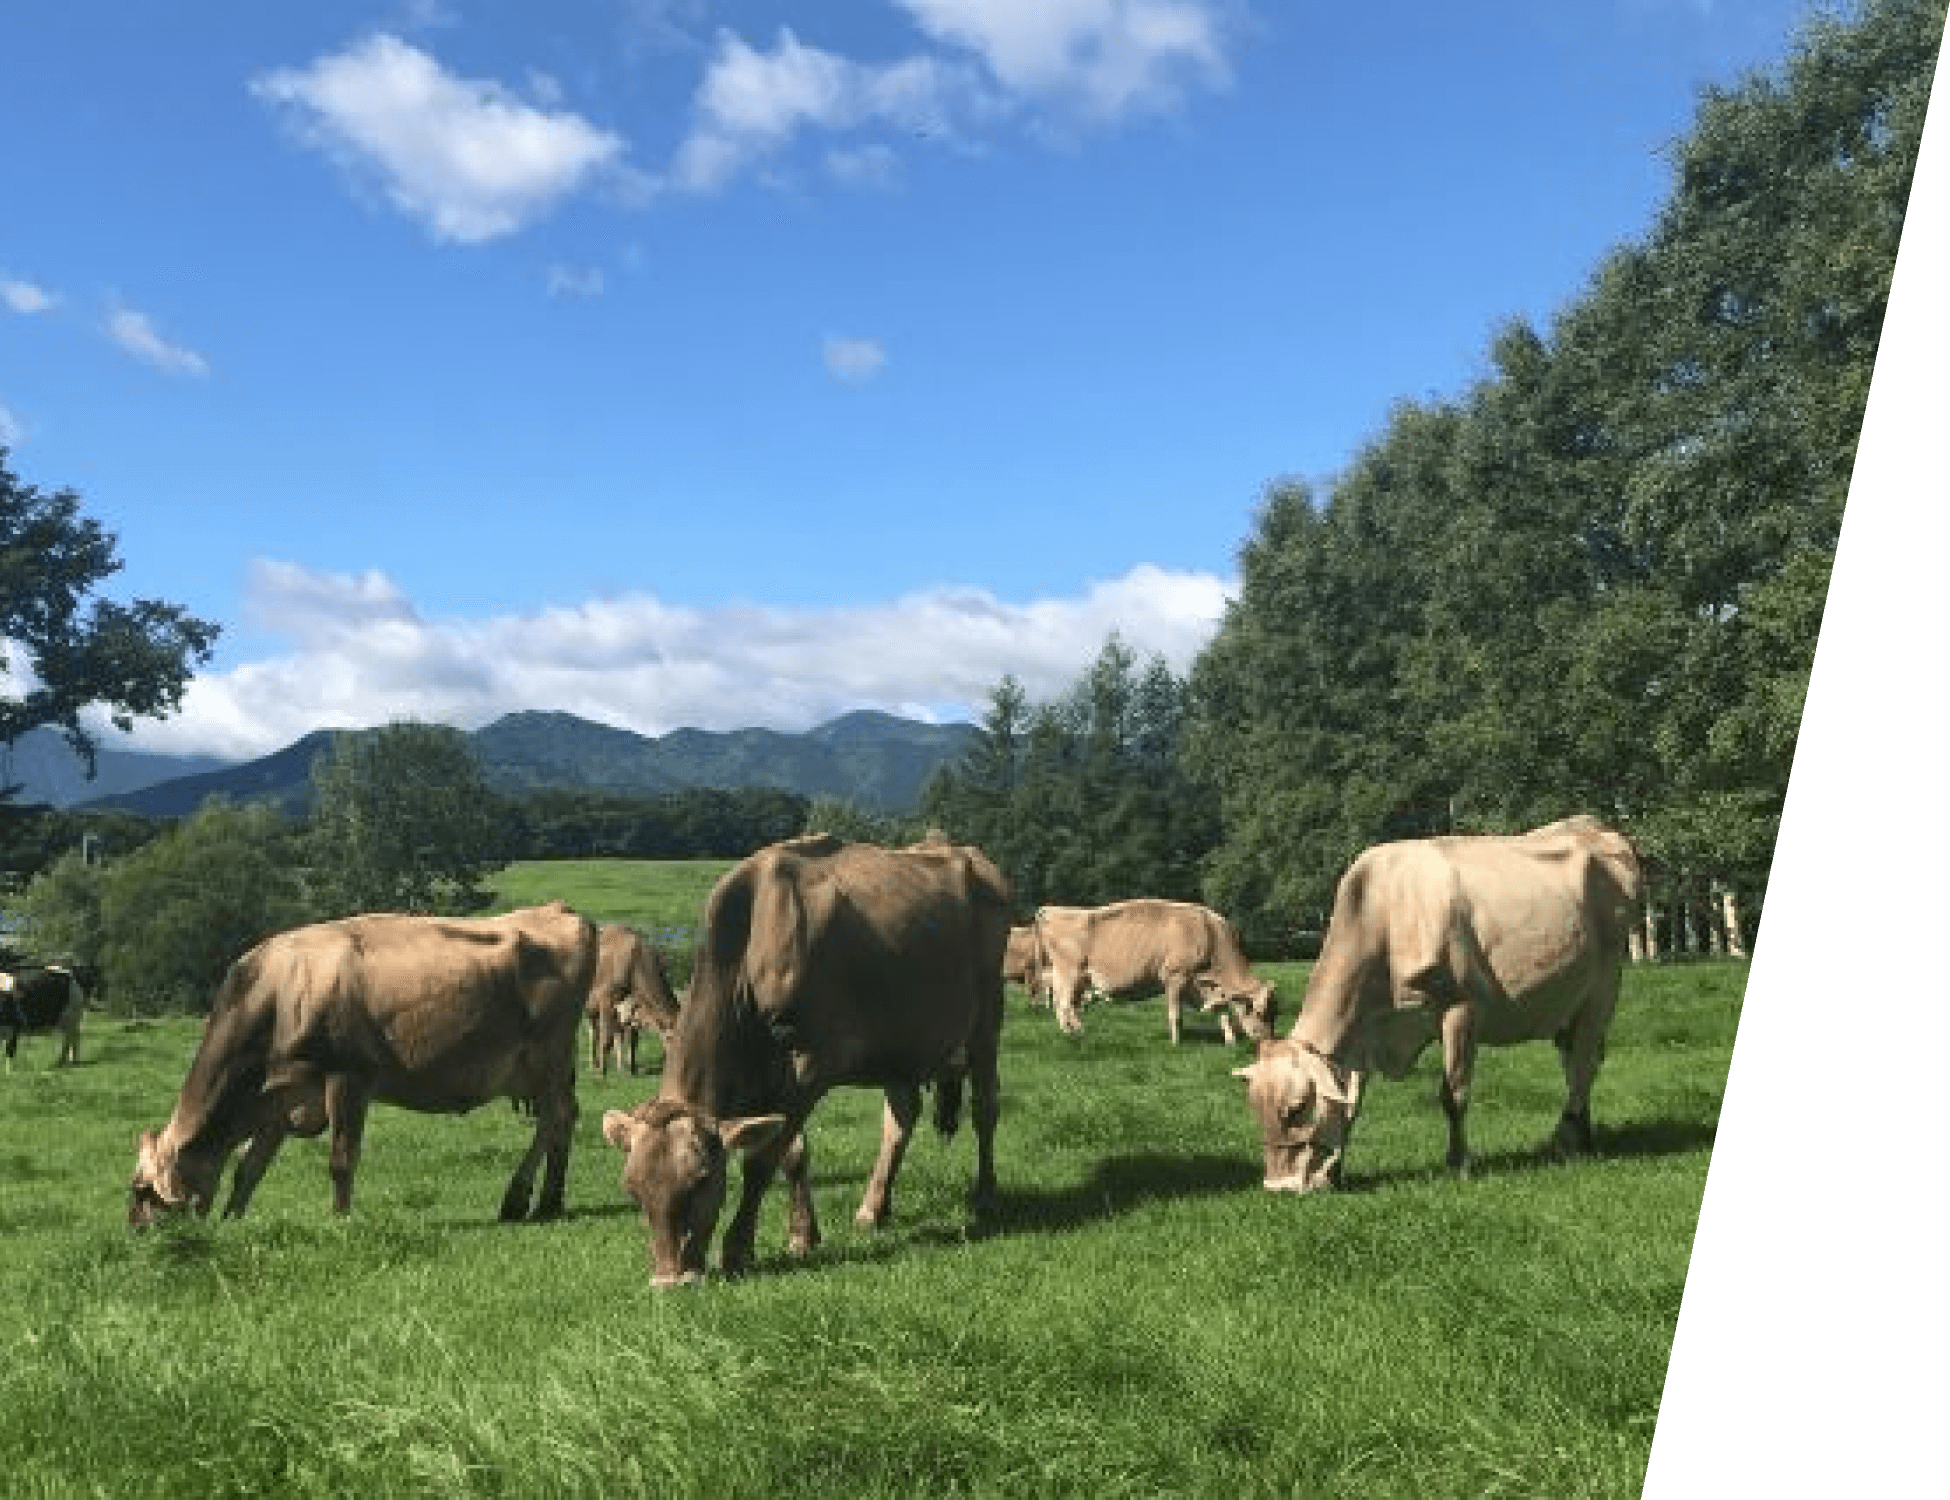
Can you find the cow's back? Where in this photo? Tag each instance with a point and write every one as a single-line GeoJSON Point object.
{"type": "Point", "coordinates": [856, 963]}
{"type": "Point", "coordinates": [1131, 947]}
{"type": "Point", "coordinates": [435, 1011]}
{"type": "Point", "coordinates": [1526, 926]}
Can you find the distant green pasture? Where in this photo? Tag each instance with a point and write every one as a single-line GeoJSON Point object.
{"type": "Point", "coordinates": [1139, 1319]}
{"type": "Point", "coordinates": [653, 894]}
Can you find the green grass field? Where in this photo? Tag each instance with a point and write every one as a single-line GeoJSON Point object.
{"type": "Point", "coordinates": [656, 895]}
{"type": "Point", "coordinates": [1140, 1318]}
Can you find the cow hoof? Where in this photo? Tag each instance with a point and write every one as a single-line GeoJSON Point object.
{"type": "Point", "coordinates": [1573, 1139]}
{"type": "Point", "coordinates": [546, 1212]}
{"type": "Point", "coordinates": [514, 1208]}
{"type": "Point", "coordinates": [799, 1246]}
{"type": "Point", "coordinates": [868, 1222]}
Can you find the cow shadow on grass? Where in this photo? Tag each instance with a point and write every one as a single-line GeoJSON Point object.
{"type": "Point", "coordinates": [1638, 1140]}
{"type": "Point", "coordinates": [1115, 1187]}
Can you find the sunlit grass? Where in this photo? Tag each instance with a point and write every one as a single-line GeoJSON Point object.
{"type": "Point", "coordinates": [1139, 1318]}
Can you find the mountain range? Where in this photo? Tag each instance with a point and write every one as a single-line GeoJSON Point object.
{"type": "Point", "coordinates": [873, 760]}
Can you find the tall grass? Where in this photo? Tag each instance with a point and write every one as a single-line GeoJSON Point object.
{"type": "Point", "coordinates": [1138, 1318]}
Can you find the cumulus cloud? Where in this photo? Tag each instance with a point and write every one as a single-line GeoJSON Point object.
{"type": "Point", "coordinates": [856, 361]}
{"type": "Point", "coordinates": [361, 654]}
{"type": "Point", "coordinates": [138, 336]}
{"type": "Point", "coordinates": [465, 157]}
{"type": "Point", "coordinates": [26, 297]}
{"type": "Point", "coordinates": [1106, 58]}
{"type": "Point", "coordinates": [1075, 61]}
{"type": "Point", "coordinates": [752, 103]}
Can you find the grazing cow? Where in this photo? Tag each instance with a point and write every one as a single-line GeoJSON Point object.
{"type": "Point", "coordinates": [631, 991]}
{"type": "Point", "coordinates": [1132, 950]}
{"type": "Point", "coordinates": [45, 999]}
{"type": "Point", "coordinates": [820, 963]}
{"type": "Point", "coordinates": [1022, 963]}
{"type": "Point", "coordinates": [1476, 940]}
{"type": "Point", "coordinates": [431, 1014]}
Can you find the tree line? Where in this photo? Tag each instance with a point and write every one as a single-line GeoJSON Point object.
{"type": "Point", "coordinates": [1591, 582]}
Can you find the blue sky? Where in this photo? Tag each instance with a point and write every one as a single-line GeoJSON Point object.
{"type": "Point", "coordinates": [721, 364]}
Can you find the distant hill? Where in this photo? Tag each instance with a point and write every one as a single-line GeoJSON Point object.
{"type": "Point", "coordinates": [49, 772]}
{"type": "Point", "coordinates": [873, 760]}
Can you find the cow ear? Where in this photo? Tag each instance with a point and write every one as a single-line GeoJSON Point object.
{"type": "Point", "coordinates": [620, 1128]}
{"type": "Point", "coordinates": [753, 1133]}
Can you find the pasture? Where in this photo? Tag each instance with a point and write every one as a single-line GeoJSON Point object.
{"type": "Point", "coordinates": [1139, 1318]}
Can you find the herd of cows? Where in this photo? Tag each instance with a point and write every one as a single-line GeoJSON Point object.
{"type": "Point", "coordinates": [821, 963]}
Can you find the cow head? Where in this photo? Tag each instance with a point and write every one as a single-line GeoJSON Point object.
{"type": "Point", "coordinates": [1255, 1008]}
{"type": "Point", "coordinates": [167, 1180]}
{"type": "Point", "coordinates": [1306, 1106]}
{"type": "Point", "coordinates": [675, 1170]}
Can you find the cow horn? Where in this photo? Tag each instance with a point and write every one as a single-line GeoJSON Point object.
{"type": "Point", "coordinates": [1327, 1081]}
{"type": "Point", "coordinates": [1249, 1072]}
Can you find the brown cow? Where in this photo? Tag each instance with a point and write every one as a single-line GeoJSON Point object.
{"type": "Point", "coordinates": [1132, 950]}
{"type": "Point", "coordinates": [631, 991]}
{"type": "Point", "coordinates": [1476, 940]}
{"type": "Point", "coordinates": [821, 963]}
{"type": "Point", "coordinates": [435, 1015]}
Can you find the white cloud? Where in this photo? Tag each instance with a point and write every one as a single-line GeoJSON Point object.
{"type": "Point", "coordinates": [465, 157]}
{"type": "Point", "coordinates": [856, 361]}
{"type": "Point", "coordinates": [139, 337]}
{"type": "Point", "coordinates": [1088, 61]}
{"type": "Point", "coordinates": [574, 281]}
{"type": "Point", "coordinates": [1107, 58]}
{"type": "Point", "coordinates": [361, 655]}
{"type": "Point", "coordinates": [751, 103]}
{"type": "Point", "coordinates": [12, 430]}
{"type": "Point", "coordinates": [27, 298]}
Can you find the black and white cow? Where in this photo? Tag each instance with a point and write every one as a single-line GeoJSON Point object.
{"type": "Point", "coordinates": [44, 999]}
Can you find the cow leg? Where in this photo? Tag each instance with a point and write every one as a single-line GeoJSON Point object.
{"type": "Point", "coordinates": [345, 1109]}
{"type": "Point", "coordinates": [13, 1041]}
{"type": "Point", "coordinates": [803, 1235]}
{"type": "Point", "coordinates": [1458, 1059]}
{"type": "Point", "coordinates": [1581, 1048]}
{"type": "Point", "coordinates": [555, 1126]}
{"type": "Point", "coordinates": [896, 1129]}
{"type": "Point", "coordinates": [986, 1088]}
{"type": "Point", "coordinates": [1176, 990]}
{"type": "Point", "coordinates": [256, 1161]}
{"type": "Point", "coordinates": [742, 1233]}
{"type": "Point", "coordinates": [555, 1110]}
